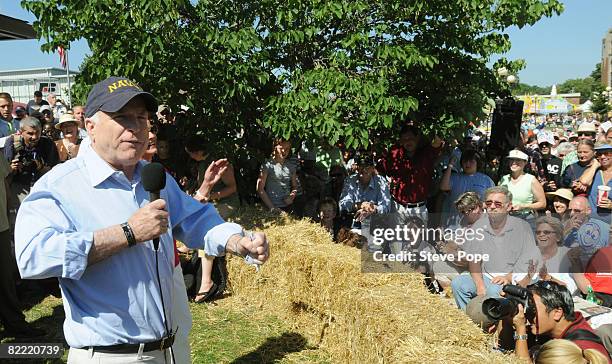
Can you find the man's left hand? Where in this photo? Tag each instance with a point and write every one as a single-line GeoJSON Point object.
{"type": "Point", "coordinates": [519, 321]}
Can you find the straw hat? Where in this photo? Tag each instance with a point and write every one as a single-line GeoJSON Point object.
{"type": "Point", "coordinates": [66, 118]}
{"type": "Point", "coordinates": [587, 128]}
{"type": "Point", "coordinates": [564, 193]}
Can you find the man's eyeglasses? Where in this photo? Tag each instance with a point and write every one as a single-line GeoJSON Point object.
{"type": "Point", "coordinates": [497, 204]}
{"type": "Point", "coordinates": [581, 134]}
{"type": "Point", "coordinates": [544, 232]}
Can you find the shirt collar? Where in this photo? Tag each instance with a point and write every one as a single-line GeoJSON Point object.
{"type": "Point", "coordinates": [98, 169]}
{"type": "Point", "coordinates": [508, 226]}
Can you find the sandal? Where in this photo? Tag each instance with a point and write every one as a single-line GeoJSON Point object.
{"type": "Point", "coordinates": [207, 296]}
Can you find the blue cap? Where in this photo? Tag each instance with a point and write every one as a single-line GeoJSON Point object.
{"type": "Point", "coordinates": [603, 147]}
{"type": "Point", "coordinates": [114, 93]}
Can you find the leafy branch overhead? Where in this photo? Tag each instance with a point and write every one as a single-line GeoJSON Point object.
{"type": "Point", "coordinates": [334, 70]}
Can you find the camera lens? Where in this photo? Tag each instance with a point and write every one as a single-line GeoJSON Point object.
{"type": "Point", "coordinates": [498, 308]}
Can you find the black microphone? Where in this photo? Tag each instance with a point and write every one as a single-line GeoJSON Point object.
{"type": "Point", "coordinates": [154, 180]}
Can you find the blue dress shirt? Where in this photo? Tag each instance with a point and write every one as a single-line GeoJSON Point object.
{"type": "Point", "coordinates": [377, 192]}
{"type": "Point", "coordinates": [116, 300]}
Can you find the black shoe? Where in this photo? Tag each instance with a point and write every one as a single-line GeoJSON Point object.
{"type": "Point", "coordinates": [207, 296]}
{"type": "Point", "coordinates": [25, 330]}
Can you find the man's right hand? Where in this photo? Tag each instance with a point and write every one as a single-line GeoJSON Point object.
{"type": "Point", "coordinates": [150, 221]}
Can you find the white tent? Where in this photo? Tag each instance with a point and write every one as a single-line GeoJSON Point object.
{"type": "Point", "coordinates": [586, 107]}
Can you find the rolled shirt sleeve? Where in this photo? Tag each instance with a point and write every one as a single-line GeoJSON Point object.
{"type": "Point", "coordinates": [46, 242]}
{"type": "Point", "coordinates": [198, 225]}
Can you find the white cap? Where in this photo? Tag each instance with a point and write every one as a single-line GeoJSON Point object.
{"type": "Point", "coordinates": [44, 107]}
{"type": "Point", "coordinates": [517, 154]}
{"type": "Point", "coordinates": [606, 126]}
{"type": "Point", "coordinates": [546, 137]}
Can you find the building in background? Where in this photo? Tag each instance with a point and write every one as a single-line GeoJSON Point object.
{"type": "Point", "coordinates": [606, 59]}
{"type": "Point", "coordinates": [21, 84]}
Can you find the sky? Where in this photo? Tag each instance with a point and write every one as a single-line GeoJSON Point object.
{"type": "Point", "coordinates": [556, 49]}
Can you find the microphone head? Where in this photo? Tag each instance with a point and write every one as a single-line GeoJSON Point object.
{"type": "Point", "coordinates": [153, 177]}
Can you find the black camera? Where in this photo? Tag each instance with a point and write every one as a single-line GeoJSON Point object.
{"type": "Point", "coordinates": [503, 307]}
{"type": "Point", "coordinates": [27, 160]}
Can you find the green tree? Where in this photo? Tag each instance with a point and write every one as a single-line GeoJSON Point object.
{"type": "Point", "coordinates": [525, 89]}
{"type": "Point", "coordinates": [601, 103]}
{"type": "Point", "coordinates": [336, 70]}
{"type": "Point", "coordinates": [596, 74]}
{"type": "Point", "coordinates": [585, 86]}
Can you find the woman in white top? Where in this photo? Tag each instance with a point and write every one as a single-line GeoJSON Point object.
{"type": "Point", "coordinates": [527, 192]}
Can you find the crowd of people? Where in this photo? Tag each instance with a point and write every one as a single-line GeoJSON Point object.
{"type": "Point", "coordinates": [543, 208]}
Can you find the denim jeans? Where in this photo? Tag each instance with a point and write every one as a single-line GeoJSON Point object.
{"type": "Point", "coordinates": [464, 289]}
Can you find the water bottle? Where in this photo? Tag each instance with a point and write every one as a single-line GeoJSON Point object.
{"type": "Point", "coordinates": [591, 296]}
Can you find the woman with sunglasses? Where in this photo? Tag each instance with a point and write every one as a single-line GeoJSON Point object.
{"type": "Point", "coordinates": [527, 192]}
{"type": "Point", "coordinates": [555, 265]}
{"type": "Point", "coordinates": [598, 175]}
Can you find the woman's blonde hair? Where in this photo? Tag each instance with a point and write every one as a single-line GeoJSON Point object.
{"type": "Point", "coordinates": [566, 352]}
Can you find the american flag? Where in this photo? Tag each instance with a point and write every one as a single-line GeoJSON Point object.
{"type": "Point", "coordinates": [62, 53]}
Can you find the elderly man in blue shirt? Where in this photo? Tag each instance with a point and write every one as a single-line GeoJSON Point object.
{"type": "Point", "coordinates": [365, 192]}
{"type": "Point", "coordinates": [90, 223]}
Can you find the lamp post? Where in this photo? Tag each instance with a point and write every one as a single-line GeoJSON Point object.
{"type": "Point", "coordinates": [607, 94]}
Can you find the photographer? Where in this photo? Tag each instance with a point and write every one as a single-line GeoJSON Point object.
{"type": "Point", "coordinates": [30, 155]}
{"type": "Point", "coordinates": [554, 316]}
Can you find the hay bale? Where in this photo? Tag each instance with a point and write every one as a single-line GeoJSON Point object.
{"type": "Point", "coordinates": [355, 317]}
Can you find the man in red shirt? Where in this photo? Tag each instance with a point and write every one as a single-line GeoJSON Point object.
{"type": "Point", "coordinates": [555, 317]}
{"type": "Point", "coordinates": [410, 168]}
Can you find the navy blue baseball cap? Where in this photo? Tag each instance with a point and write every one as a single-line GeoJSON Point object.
{"type": "Point", "coordinates": [114, 93]}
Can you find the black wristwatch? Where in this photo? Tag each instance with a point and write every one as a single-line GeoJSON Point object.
{"type": "Point", "coordinates": [129, 234]}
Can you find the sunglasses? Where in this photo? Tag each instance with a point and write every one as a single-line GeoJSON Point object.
{"type": "Point", "coordinates": [468, 210]}
{"type": "Point", "coordinates": [497, 204]}
{"type": "Point", "coordinates": [544, 284]}
{"type": "Point", "coordinates": [515, 161]}
{"type": "Point", "coordinates": [544, 232]}
{"type": "Point", "coordinates": [607, 153]}
{"type": "Point", "coordinates": [585, 134]}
